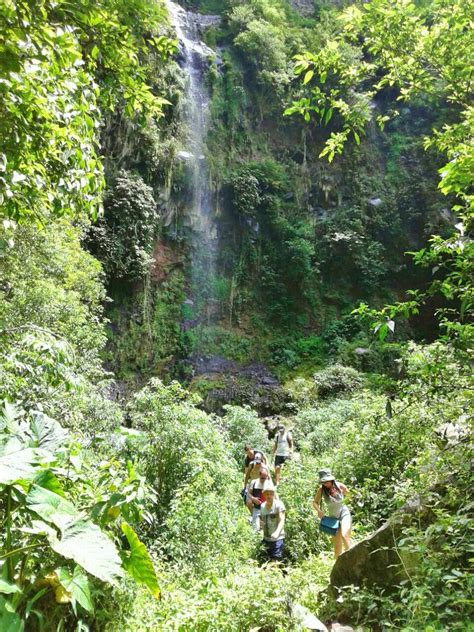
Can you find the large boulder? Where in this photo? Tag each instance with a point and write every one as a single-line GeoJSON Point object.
{"type": "Point", "coordinates": [378, 560]}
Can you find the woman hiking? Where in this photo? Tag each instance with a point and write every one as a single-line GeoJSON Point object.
{"type": "Point", "coordinates": [272, 520]}
{"type": "Point", "coordinates": [255, 495]}
{"type": "Point", "coordinates": [333, 493]}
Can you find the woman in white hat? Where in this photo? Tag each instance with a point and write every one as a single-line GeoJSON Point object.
{"type": "Point", "coordinates": [272, 519]}
{"type": "Point", "coordinates": [333, 493]}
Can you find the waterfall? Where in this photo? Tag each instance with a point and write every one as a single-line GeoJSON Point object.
{"type": "Point", "coordinates": [194, 56]}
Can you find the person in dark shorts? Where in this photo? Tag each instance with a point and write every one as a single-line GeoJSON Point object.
{"type": "Point", "coordinates": [272, 520]}
{"type": "Point", "coordinates": [282, 449]}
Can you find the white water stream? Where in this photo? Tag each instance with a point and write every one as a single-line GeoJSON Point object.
{"type": "Point", "coordinates": [199, 215]}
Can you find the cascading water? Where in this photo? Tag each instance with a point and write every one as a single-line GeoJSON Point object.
{"type": "Point", "coordinates": [199, 214]}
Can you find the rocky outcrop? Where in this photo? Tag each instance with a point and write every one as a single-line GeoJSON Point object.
{"type": "Point", "coordinates": [378, 560]}
{"type": "Point", "coordinates": [304, 7]}
{"type": "Point", "coordinates": [220, 381]}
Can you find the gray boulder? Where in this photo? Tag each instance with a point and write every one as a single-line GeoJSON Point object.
{"type": "Point", "coordinates": [306, 619]}
{"type": "Point", "coordinates": [377, 560]}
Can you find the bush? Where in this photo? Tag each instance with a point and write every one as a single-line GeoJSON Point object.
{"type": "Point", "coordinates": [302, 392]}
{"type": "Point", "coordinates": [375, 357]}
{"type": "Point", "coordinates": [337, 379]}
{"type": "Point", "coordinates": [178, 442]}
{"type": "Point", "coordinates": [206, 531]}
{"type": "Point", "coordinates": [123, 240]}
{"type": "Point", "coordinates": [290, 351]}
{"type": "Point", "coordinates": [243, 426]}
{"type": "Point", "coordinates": [215, 340]}
{"type": "Point", "coordinates": [320, 429]}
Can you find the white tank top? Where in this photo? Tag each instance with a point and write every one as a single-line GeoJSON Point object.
{"type": "Point", "coordinates": [283, 447]}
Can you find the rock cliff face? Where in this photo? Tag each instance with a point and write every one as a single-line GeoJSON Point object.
{"type": "Point", "coordinates": [305, 7]}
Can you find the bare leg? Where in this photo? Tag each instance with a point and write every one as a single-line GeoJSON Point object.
{"type": "Point", "coordinates": [346, 531]}
{"type": "Point", "coordinates": [249, 504]}
{"type": "Point", "coordinates": [277, 474]}
{"type": "Point", "coordinates": [256, 518]}
{"type": "Point", "coordinates": [337, 541]}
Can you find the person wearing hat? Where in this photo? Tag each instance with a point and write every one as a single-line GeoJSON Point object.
{"type": "Point", "coordinates": [250, 454]}
{"type": "Point", "coordinates": [272, 520]}
{"type": "Point", "coordinates": [253, 471]}
{"type": "Point", "coordinates": [282, 449]}
{"type": "Point", "coordinates": [255, 495]}
{"type": "Point", "coordinates": [333, 493]}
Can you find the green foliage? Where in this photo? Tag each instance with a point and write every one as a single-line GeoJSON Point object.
{"type": "Point", "coordinates": [318, 429]}
{"type": "Point", "coordinates": [53, 501]}
{"type": "Point", "coordinates": [296, 489]}
{"type": "Point", "coordinates": [146, 335]}
{"type": "Point", "coordinates": [437, 595]}
{"type": "Point", "coordinates": [139, 563]}
{"type": "Point", "coordinates": [291, 351]}
{"type": "Point", "coordinates": [51, 285]}
{"type": "Point", "coordinates": [179, 441]}
{"type": "Point", "coordinates": [244, 427]}
{"type": "Point", "coordinates": [333, 74]}
{"type": "Point", "coordinates": [124, 239]}
{"type": "Point", "coordinates": [207, 6]}
{"type": "Point", "coordinates": [410, 48]}
{"type": "Point", "coordinates": [337, 379]}
{"type": "Point", "coordinates": [215, 340]}
{"type": "Point", "coordinates": [60, 63]}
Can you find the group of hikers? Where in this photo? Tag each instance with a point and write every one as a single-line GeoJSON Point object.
{"type": "Point", "coordinates": [267, 510]}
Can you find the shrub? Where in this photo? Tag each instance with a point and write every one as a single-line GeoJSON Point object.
{"type": "Point", "coordinates": [302, 392]}
{"type": "Point", "coordinates": [337, 379]}
{"type": "Point", "coordinates": [123, 240]}
{"type": "Point", "coordinates": [205, 529]}
{"type": "Point", "coordinates": [243, 426]}
{"type": "Point", "coordinates": [177, 442]}
{"type": "Point", "coordinates": [320, 429]}
{"type": "Point", "coordinates": [215, 340]}
{"type": "Point", "coordinates": [65, 517]}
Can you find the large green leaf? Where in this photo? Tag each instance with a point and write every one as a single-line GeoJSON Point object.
{"type": "Point", "coordinates": [138, 563]}
{"type": "Point", "coordinates": [18, 463]}
{"type": "Point", "coordinates": [7, 588]}
{"type": "Point", "coordinates": [50, 506]}
{"type": "Point", "coordinates": [83, 542]}
{"type": "Point", "coordinates": [47, 433]}
{"type": "Point", "coordinates": [9, 619]}
{"type": "Point", "coordinates": [49, 480]}
{"type": "Point", "coordinates": [77, 585]}
{"type": "Point", "coordinates": [8, 416]}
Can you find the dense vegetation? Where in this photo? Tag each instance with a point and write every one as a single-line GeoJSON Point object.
{"type": "Point", "coordinates": [119, 490]}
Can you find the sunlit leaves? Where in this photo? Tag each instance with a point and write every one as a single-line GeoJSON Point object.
{"type": "Point", "coordinates": [76, 586]}
{"type": "Point", "coordinates": [332, 74]}
{"type": "Point", "coordinates": [138, 563]}
{"type": "Point", "coordinates": [50, 95]}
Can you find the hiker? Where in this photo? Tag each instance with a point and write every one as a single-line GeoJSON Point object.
{"type": "Point", "coordinates": [333, 493]}
{"type": "Point", "coordinates": [250, 454]}
{"type": "Point", "coordinates": [253, 469]}
{"type": "Point", "coordinates": [282, 449]}
{"type": "Point", "coordinates": [272, 520]}
{"type": "Point", "coordinates": [255, 495]}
